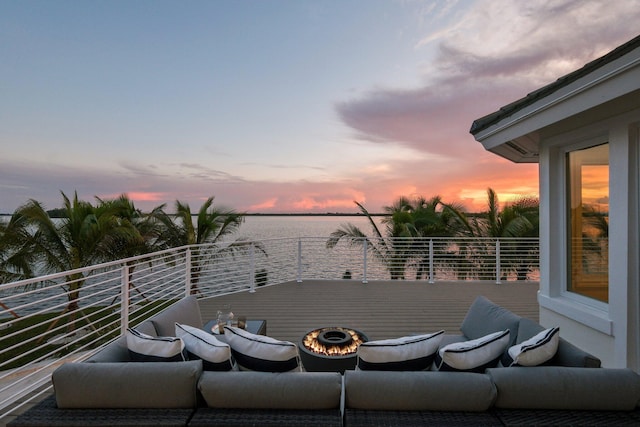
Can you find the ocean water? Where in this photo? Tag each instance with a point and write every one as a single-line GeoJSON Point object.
{"type": "Point", "coordinates": [275, 227]}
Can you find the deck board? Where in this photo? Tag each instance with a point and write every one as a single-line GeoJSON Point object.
{"type": "Point", "coordinates": [380, 309]}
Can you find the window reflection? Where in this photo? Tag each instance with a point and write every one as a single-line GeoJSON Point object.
{"type": "Point", "coordinates": [588, 191]}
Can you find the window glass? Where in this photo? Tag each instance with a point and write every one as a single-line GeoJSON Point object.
{"type": "Point", "coordinates": [588, 192]}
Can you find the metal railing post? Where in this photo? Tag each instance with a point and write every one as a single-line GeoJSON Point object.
{"type": "Point", "coordinates": [364, 262]}
{"type": "Point", "coordinates": [124, 300]}
{"type": "Point", "coordinates": [299, 280]}
{"type": "Point", "coordinates": [498, 262]}
{"type": "Point", "coordinates": [431, 272]}
{"type": "Point", "coordinates": [252, 257]}
{"type": "Point", "coordinates": [187, 276]}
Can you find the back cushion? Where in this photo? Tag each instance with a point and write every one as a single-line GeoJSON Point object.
{"type": "Point", "coordinates": [186, 311]}
{"type": "Point", "coordinates": [484, 317]}
{"type": "Point", "coordinates": [556, 387]}
{"type": "Point", "coordinates": [127, 385]}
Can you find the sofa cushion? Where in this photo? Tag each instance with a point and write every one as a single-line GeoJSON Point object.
{"type": "Point", "coordinates": [145, 348]}
{"type": "Point", "coordinates": [558, 387]}
{"type": "Point", "coordinates": [261, 353]}
{"type": "Point", "coordinates": [535, 351]}
{"type": "Point", "coordinates": [127, 385]}
{"type": "Point", "coordinates": [117, 350]}
{"type": "Point", "coordinates": [215, 355]}
{"type": "Point", "coordinates": [484, 317]}
{"type": "Point", "coordinates": [411, 353]}
{"type": "Point", "coordinates": [267, 390]}
{"type": "Point", "coordinates": [475, 355]}
{"type": "Point", "coordinates": [418, 391]}
{"type": "Point", "coordinates": [567, 353]}
{"type": "Point", "coordinates": [185, 311]}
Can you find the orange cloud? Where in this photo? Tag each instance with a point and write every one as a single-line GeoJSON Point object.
{"type": "Point", "coordinates": [139, 196]}
{"type": "Point", "coordinates": [262, 206]}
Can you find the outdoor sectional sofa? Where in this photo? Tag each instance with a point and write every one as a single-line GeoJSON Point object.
{"type": "Point", "coordinates": [110, 389]}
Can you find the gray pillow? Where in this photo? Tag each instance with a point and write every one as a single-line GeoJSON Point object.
{"type": "Point", "coordinates": [186, 311]}
{"type": "Point", "coordinates": [485, 317]}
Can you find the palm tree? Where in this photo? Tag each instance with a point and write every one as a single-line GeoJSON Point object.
{"type": "Point", "coordinates": [517, 219]}
{"type": "Point", "coordinates": [212, 226]}
{"type": "Point", "coordinates": [16, 254]}
{"type": "Point", "coordinates": [377, 244]}
{"type": "Point", "coordinates": [405, 220]}
{"type": "Point", "coordinates": [85, 236]}
{"type": "Point", "coordinates": [146, 237]}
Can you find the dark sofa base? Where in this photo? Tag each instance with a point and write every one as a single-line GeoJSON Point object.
{"type": "Point", "coordinates": [47, 414]}
{"type": "Point", "coordinates": [494, 417]}
{"type": "Point", "coordinates": [371, 418]}
{"type": "Point", "coordinates": [266, 417]}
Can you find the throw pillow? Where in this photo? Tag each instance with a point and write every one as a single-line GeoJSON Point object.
{"type": "Point", "coordinates": [411, 353]}
{"type": "Point", "coordinates": [261, 353]}
{"type": "Point", "coordinates": [475, 355]}
{"type": "Point", "coordinates": [534, 351]}
{"type": "Point", "coordinates": [215, 355]}
{"type": "Point", "coordinates": [145, 348]}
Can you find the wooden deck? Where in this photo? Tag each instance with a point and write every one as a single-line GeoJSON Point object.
{"type": "Point", "coordinates": [380, 309]}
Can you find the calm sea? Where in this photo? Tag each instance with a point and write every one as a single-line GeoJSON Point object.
{"type": "Point", "coordinates": [274, 227]}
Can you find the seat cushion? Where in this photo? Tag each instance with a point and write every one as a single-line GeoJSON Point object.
{"type": "Point", "coordinates": [418, 391]}
{"type": "Point", "coordinates": [267, 390]}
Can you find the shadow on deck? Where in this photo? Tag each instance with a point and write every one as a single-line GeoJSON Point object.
{"type": "Point", "coordinates": [380, 309]}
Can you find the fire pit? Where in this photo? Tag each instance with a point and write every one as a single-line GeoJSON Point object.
{"type": "Point", "coordinates": [331, 349]}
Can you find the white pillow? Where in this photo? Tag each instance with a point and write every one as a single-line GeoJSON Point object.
{"type": "Point", "coordinates": [410, 353]}
{"type": "Point", "coordinates": [145, 348]}
{"type": "Point", "coordinates": [215, 355]}
{"type": "Point", "coordinates": [536, 350]}
{"type": "Point", "coordinates": [261, 353]}
{"type": "Point", "coordinates": [475, 355]}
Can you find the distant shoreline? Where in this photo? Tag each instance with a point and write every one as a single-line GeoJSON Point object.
{"type": "Point", "coordinates": [288, 214]}
{"type": "Point", "coordinates": [313, 214]}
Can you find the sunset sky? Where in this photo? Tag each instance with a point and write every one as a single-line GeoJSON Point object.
{"type": "Point", "coordinates": [278, 105]}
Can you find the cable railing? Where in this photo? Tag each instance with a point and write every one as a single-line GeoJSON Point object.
{"type": "Point", "coordinates": [68, 316]}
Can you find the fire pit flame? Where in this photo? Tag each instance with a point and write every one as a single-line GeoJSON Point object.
{"type": "Point", "coordinates": [333, 341]}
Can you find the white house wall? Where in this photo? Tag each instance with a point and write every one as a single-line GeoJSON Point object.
{"type": "Point", "coordinates": [609, 331]}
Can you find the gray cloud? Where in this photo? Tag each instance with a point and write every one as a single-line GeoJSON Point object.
{"type": "Point", "coordinates": [486, 60]}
